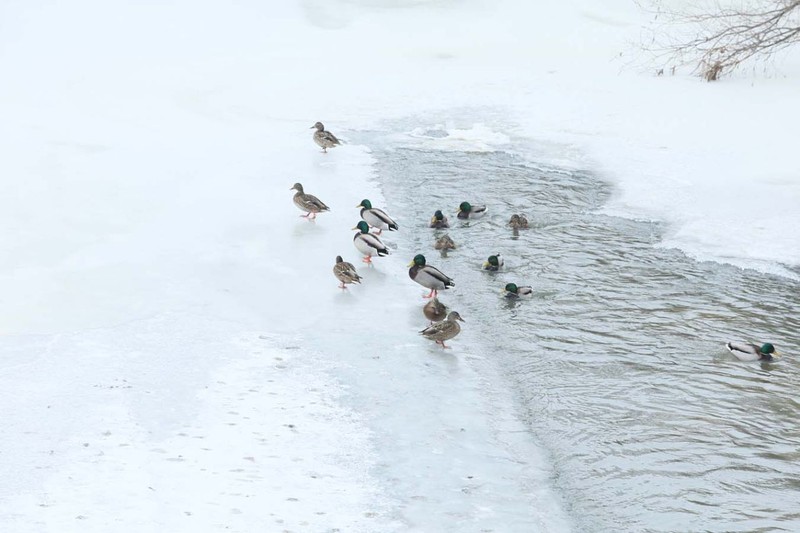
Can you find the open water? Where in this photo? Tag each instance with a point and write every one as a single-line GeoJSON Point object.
{"type": "Point", "coordinates": [617, 362]}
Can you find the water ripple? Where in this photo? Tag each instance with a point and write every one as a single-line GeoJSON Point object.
{"type": "Point", "coordinates": [618, 359]}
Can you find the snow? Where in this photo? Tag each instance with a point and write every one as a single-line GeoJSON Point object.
{"type": "Point", "coordinates": [175, 353]}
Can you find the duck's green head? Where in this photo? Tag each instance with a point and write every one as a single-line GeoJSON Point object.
{"type": "Point", "coordinates": [362, 226]}
{"type": "Point", "coordinates": [494, 261]}
{"type": "Point", "coordinates": [366, 204]}
{"type": "Point", "coordinates": [419, 260]}
{"type": "Point", "coordinates": [511, 287]}
{"type": "Point", "coordinates": [465, 206]}
{"type": "Point", "coordinates": [438, 215]}
{"type": "Point", "coordinates": [767, 348]}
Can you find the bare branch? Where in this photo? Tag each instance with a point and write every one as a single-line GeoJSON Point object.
{"type": "Point", "coordinates": [717, 39]}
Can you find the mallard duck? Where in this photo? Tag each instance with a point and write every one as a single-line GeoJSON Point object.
{"type": "Point", "coordinates": [307, 202]}
{"type": "Point", "coordinates": [345, 272]}
{"type": "Point", "coordinates": [428, 276]}
{"type": "Point", "coordinates": [324, 138]}
{"type": "Point", "coordinates": [494, 263]}
{"type": "Point", "coordinates": [434, 310]}
{"type": "Point", "coordinates": [444, 330]}
{"type": "Point", "coordinates": [518, 222]}
{"type": "Point", "coordinates": [512, 291]}
{"type": "Point", "coordinates": [444, 243]}
{"type": "Point", "coordinates": [746, 351]}
{"type": "Point", "coordinates": [367, 243]}
{"type": "Point", "coordinates": [377, 218]}
{"type": "Point", "coordinates": [469, 211]}
{"type": "Point", "coordinates": [439, 221]}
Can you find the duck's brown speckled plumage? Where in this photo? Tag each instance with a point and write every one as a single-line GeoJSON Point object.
{"type": "Point", "coordinates": [444, 330]}
{"type": "Point", "coordinates": [323, 138]}
{"type": "Point", "coordinates": [345, 272]}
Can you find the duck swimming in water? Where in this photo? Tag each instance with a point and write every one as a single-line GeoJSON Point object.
{"type": "Point", "coordinates": [367, 243]}
{"type": "Point", "coordinates": [512, 291]}
{"type": "Point", "coordinates": [307, 202]}
{"type": "Point", "coordinates": [428, 276]}
{"type": "Point", "coordinates": [323, 138]}
{"type": "Point", "coordinates": [494, 263]}
{"type": "Point", "coordinates": [377, 218]}
{"type": "Point", "coordinates": [518, 222]}
{"type": "Point", "coordinates": [747, 351]}
{"type": "Point", "coordinates": [444, 330]}
{"type": "Point", "coordinates": [439, 221]}
{"type": "Point", "coordinates": [469, 211]}
{"type": "Point", "coordinates": [444, 243]}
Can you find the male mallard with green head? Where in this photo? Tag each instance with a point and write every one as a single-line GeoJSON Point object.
{"type": "Point", "coordinates": [444, 330]}
{"type": "Point", "coordinates": [494, 263]}
{"type": "Point", "coordinates": [377, 218]}
{"type": "Point", "coordinates": [468, 211]}
{"type": "Point", "coordinates": [434, 310]}
{"type": "Point", "coordinates": [345, 272]}
{"type": "Point", "coordinates": [428, 276]}
{"type": "Point", "coordinates": [747, 351]}
{"type": "Point", "coordinates": [513, 291]}
{"type": "Point", "coordinates": [323, 138]}
{"type": "Point", "coordinates": [367, 243]}
{"type": "Point", "coordinates": [307, 202]}
{"type": "Point", "coordinates": [439, 221]}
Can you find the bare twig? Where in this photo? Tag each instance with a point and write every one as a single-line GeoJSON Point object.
{"type": "Point", "coordinates": [716, 39]}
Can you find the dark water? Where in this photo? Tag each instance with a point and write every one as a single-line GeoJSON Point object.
{"type": "Point", "coordinates": [618, 360]}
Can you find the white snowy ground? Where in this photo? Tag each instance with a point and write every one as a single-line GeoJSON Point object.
{"type": "Point", "coordinates": [174, 354]}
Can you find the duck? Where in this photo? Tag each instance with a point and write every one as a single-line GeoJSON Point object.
{"type": "Point", "coordinates": [444, 330]}
{"type": "Point", "coordinates": [747, 351]}
{"type": "Point", "coordinates": [434, 310]}
{"type": "Point", "coordinates": [518, 222]}
{"type": "Point", "coordinates": [494, 263]}
{"type": "Point", "coordinates": [323, 138]}
{"type": "Point", "coordinates": [377, 218]}
{"type": "Point", "coordinates": [345, 272]}
{"type": "Point", "coordinates": [428, 276]}
{"type": "Point", "coordinates": [444, 243]}
{"type": "Point", "coordinates": [513, 291]}
{"type": "Point", "coordinates": [439, 221]}
{"type": "Point", "coordinates": [307, 202]}
{"type": "Point", "coordinates": [469, 211]}
{"type": "Point", "coordinates": [367, 243]}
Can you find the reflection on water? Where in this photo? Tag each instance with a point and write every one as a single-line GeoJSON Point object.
{"type": "Point", "coordinates": [618, 358]}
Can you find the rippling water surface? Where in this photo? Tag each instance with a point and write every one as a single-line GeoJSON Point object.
{"type": "Point", "coordinates": [618, 360]}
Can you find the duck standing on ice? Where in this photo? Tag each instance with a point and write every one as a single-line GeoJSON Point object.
{"type": "Point", "coordinates": [377, 218]}
{"type": "Point", "coordinates": [307, 202]}
{"type": "Point", "coordinates": [444, 330]}
{"type": "Point", "coordinates": [324, 138]}
{"type": "Point", "coordinates": [367, 243]}
{"type": "Point", "coordinates": [428, 276]}
{"type": "Point", "coordinates": [345, 272]}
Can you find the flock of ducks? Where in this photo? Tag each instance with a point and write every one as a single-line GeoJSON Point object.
{"type": "Point", "coordinates": [443, 325]}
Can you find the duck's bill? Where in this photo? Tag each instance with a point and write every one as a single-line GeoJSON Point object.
{"type": "Point", "coordinates": [411, 264]}
{"type": "Point", "coordinates": [356, 227]}
{"type": "Point", "coordinates": [312, 127]}
{"type": "Point", "coordinates": [486, 264]}
{"type": "Point", "coordinates": [461, 319]}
